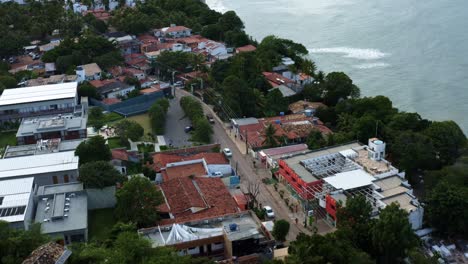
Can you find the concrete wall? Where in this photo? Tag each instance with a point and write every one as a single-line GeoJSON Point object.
{"type": "Point", "coordinates": [101, 198]}
{"type": "Point", "coordinates": [48, 178]}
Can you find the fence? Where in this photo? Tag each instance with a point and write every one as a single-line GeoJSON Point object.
{"type": "Point", "coordinates": [132, 106]}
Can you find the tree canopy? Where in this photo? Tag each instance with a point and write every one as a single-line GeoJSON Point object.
{"type": "Point", "coordinates": [93, 149]}
{"type": "Point", "coordinates": [99, 174]}
{"type": "Point", "coordinates": [17, 244]}
{"type": "Point", "coordinates": [280, 229]}
{"type": "Point", "coordinates": [129, 129]}
{"type": "Point", "coordinates": [138, 201]}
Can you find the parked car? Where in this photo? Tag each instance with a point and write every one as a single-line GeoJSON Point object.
{"type": "Point", "coordinates": [210, 119]}
{"type": "Point", "coordinates": [227, 152]}
{"type": "Point", "coordinates": [188, 129]}
{"type": "Point", "coordinates": [268, 211]}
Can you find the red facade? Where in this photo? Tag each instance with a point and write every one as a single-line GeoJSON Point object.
{"type": "Point", "coordinates": [296, 182]}
{"type": "Point", "coordinates": [331, 206]}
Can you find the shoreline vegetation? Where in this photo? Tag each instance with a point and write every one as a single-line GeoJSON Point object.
{"type": "Point", "coordinates": [431, 150]}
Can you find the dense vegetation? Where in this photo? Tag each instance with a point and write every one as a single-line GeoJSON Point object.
{"type": "Point", "coordinates": [157, 114]}
{"type": "Point", "coordinates": [360, 238]}
{"type": "Point", "coordinates": [194, 111]}
{"type": "Point", "coordinates": [193, 14]}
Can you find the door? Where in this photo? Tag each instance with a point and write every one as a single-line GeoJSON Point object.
{"type": "Point", "coordinates": [65, 178]}
{"type": "Point", "coordinates": [55, 179]}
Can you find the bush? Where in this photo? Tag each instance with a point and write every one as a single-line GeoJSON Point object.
{"type": "Point", "coordinates": [280, 230]}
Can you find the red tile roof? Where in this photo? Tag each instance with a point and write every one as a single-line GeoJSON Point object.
{"type": "Point", "coordinates": [247, 48]}
{"type": "Point", "coordinates": [276, 79]}
{"type": "Point", "coordinates": [176, 29]}
{"type": "Point", "coordinates": [101, 83]}
{"type": "Point", "coordinates": [147, 38]}
{"type": "Point", "coordinates": [111, 101]}
{"type": "Point", "coordinates": [293, 127]}
{"type": "Point", "coordinates": [197, 198]}
{"type": "Point", "coordinates": [160, 160]}
{"type": "Point", "coordinates": [184, 171]}
{"type": "Point", "coordinates": [119, 154]}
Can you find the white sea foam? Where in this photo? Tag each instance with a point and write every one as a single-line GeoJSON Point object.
{"type": "Point", "coordinates": [355, 53]}
{"type": "Point", "coordinates": [371, 65]}
{"type": "Point", "coordinates": [217, 5]}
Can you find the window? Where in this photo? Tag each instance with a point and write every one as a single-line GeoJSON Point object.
{"type": "Point", "coordinates": [54, 179]}
{"type": "Point", "coordinates": [65, 178]}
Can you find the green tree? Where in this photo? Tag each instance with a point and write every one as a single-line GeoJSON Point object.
{"type": "Point", "coordinates": [315, 140]}
{"type": "Point", "coordinates": [17, 244]}
{"type": "Point", "coordinates": [88, 90]}
{"type": "Point", "coordinates": [235, 88]}
{"type": "Point", "coordinates": [129, 129]}
{"type": "Point", "coordinates": [8, 81]}
{"type": "Point", "coordinates": [280, 229]}
{"type": "Point", "coordinates": [339, 86]}
{"type": "Point", "coordinates": [95, 117]}
{"type": "Point", "coordinates": [331, 248]}
{"type": "Point", "coordinates": [203, 130]}
{"type": "Point", "coordinates": [137, 201]}
{"type": "Point", "coordinates": [230, 21]}
{"type": "Point", "coordinates": [276, 103]}
{"type": "Point", "coordinates": [413, 151]}
{"type": "Point", "coordinates": [93, 149]}
{"type": "Point", "coordinates": [192, 108]}
{"type": "Point", "coordinates": [99, 174]}
{"type": "Point", "coordinates": [312, 92]}
{"type": "Point", "coordinates": [157, 118]}
{"type": "Point", "coordinates": [447, 208]}
{"type": "Point", "coordinates": [392, 235]}
{"type": "Point", "coordinates": [271, 139]}
{"type": "Point", "coordinates": [448, 140]}
{"type": "Point", "coordinates": [354, 222]}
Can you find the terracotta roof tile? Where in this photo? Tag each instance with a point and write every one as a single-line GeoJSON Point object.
{"type": "Point", "coordinates": [198, 198]}
{"type": "Point", "coordinates": [247, 48]}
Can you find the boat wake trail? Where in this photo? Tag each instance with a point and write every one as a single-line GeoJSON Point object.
{"type": "Point", "coordinates": [355, 53]}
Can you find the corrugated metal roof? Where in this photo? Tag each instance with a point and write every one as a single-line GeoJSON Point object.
{"type": "Point", "coordinates": [38, 93]}
{"type": "Point", "coordinates": [14, 186]}
{"type": "Point", "coordinates": [37, 164]}
{"type": "Point", "coordinates": [15, 194]}
{"type": "Point", "coordinates": [350, 179]}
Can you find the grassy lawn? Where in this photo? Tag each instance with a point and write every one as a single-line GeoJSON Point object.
{"type": "Point", "coordinates": [145, 148]}
{"type": "Point", "coordinates": [115, 143]}
{"type": "Point", "coordinates": [112, 117]}
{"type": "Point", "coordinates": [100, 223]}
{"type": "Point", "coordinates": [7, 138]}
{"type": "Point", "coordinates": [143, 120]}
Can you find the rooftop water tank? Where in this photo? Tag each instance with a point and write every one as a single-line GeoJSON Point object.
{"type": "Point", "coordinates": [308, 112]}
{"type": "Point", "coordinates": [281, 113]}
{"type": "Point", "coordinates": [233, 227]}
{"type": "Point", "coordinates": [278, 122]}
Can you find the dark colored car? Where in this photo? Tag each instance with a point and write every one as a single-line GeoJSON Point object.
{"type": "Point", "coordinates": [188, 129]}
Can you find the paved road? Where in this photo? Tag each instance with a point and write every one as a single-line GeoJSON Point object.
{"type": "Point", "coordinates": [175, 124]}
{"type": "Point", "coordinates": [250, 174]}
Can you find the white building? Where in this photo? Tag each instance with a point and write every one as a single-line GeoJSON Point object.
{"type": "Point", "coordinates": [173, 31]}
{"type": "Point", "coordinates": [38, 100]}
{"type": "Point", "coordinates": [47, 169]}
{"type": "Point", "coordinates": [16, 202]}
{"type": "Point", "coordinates": [88, 72]}
{"type": "Point", "coordinates": [213, 48]}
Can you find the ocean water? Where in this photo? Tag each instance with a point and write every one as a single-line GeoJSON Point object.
{"type": "Point", "coordinates": [415, 52]}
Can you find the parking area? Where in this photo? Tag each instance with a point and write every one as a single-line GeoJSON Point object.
{"type": "Point", "coordinates": [175, 123]}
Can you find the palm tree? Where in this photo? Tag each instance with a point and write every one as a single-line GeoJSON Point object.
{"type": "Point", "coordinates": [271, 140]}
